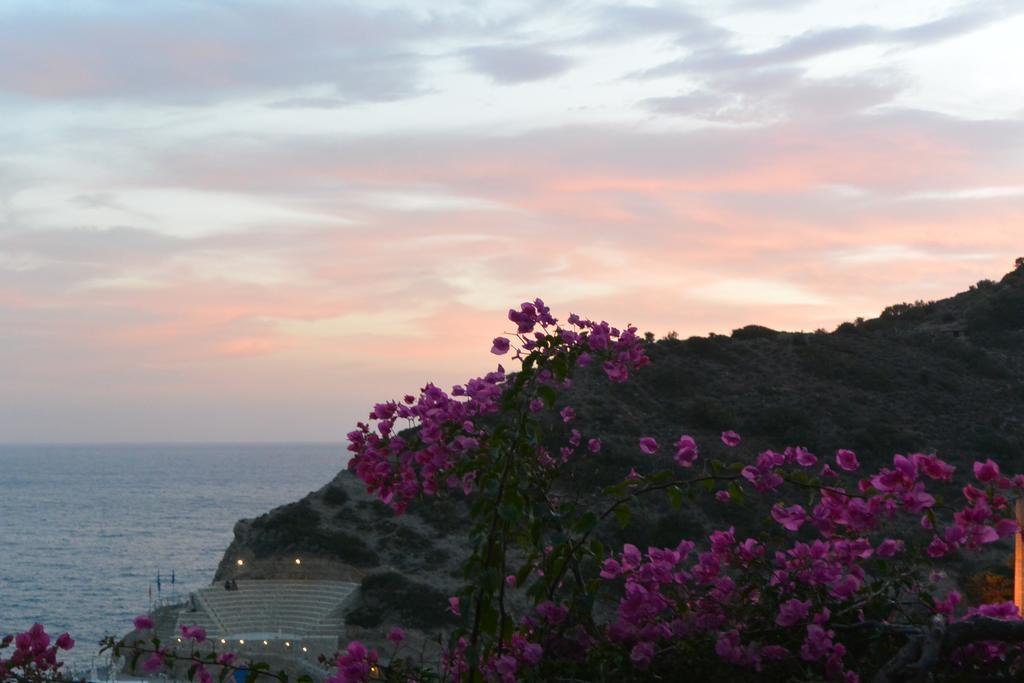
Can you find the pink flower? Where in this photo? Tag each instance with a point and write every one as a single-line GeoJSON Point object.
{"type": "Point", "coordinates": [356, 649]}
{"type": "Point", "coordinates": [792, 612]}
{"type": "Point", "coordinates": [532, 653]}
{"type": "Point", "coordinates": [65, 642]}
{"type": "Point", "coordinates": [500, 346]}
{"type": "Point", "coordinates": [39, 638]}
{"type": "Point", "coordinates": [847, 460]}
{"type": "Point", "coordinates": [506, 666]}
{"type": "Point", "coordinates": [616, 371]}
{"type": "Point", "coordinates": [396, 635]}
{"type": "Point", "coordinates": [933, 467]}
{"type": "Point", "coordinates": [791, 518]}
{"type": "Point", "coordinates": [804, 457]}
{"type": "Point", "coordinates": [641, 655]}
{"type": "Point", "coordinates": [648, 445]}
{"type": "Point", "coordinates": [196, 633]}
{"type": "Point", "coordinates": [723, 496]}
{"type": "Point", "coordinates": [594, 445]}
{"type": "Point", "coordinates": [731, 439]}
{"type": "Point", "coordinates": [728, 647]}
{"type": "Point", "coordinates": [567, 414]}
{"type": "Point", "coordinates": [453, 606]}
{"type": "Point", "coordinates": [889, 547]}
{"type": "Point", "coordinates": [143, 623]}
{"type": "Point", "coordinates": [552, 613]}
{"type": "Point", "coordinates": [1006, 527]}
{"type": "Point", "coordinates": [510, 580]}
{"type": "Point", "coordinates": [686, 451]}
{"type": "Point", "coordinates": [948, 604]}
{"type": "Point", "coordinates": [817, 644]}
{"type": "Point", "coordinates": [610, 569]}
{"type": "Point", "coordinates": [1001, 610]}
{"type": "Point", "coordinates": [153, 663]}
{"type": "Point", "coordinates": [938, 548]}
{"type": "Point", "coordinates": [986, 471]}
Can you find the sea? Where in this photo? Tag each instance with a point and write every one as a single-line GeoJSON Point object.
{"type": "Point", "coordinates": [85, 530]}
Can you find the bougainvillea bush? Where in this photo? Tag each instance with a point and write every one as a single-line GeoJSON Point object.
{"type": "Point", "coordinates": [844, 590]}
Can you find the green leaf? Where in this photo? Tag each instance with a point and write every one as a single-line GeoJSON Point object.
{"type": "Point", "coordinates": [675, 496]}
{"type": "Point", "coordinates": [931, 517]}
{"type": "Point", "coordinates": [737, 493]}
{"type": "Point", "coordinates": [548, 394]}
{"type": "Point", "coordinates": [623, 515]}
{"type": "Point", "coordinates": [585, 523]}
{"type": "Point", "coordinates": [617, 490]}
{"type": "Point", "coordinates": [661, 477]}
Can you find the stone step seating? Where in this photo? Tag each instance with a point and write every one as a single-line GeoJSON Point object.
{"type": "Point", "coordinates": [267, 608]}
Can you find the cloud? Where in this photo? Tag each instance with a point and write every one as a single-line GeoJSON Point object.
{"type": "Point", "coordinates": [513, 64]}
{"type": "Point", "coordinates": [193, 53]}
{"type": "Point", "coordinates": [718, 57]}
{"type": "Point", "coordinates": [308, 256]}
{"type": "Point", "coordinates": [781, 96]}
{"type": "Point", "coordinates": [621, 22]}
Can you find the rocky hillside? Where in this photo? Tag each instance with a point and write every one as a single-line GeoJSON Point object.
{"type": "Point", "coordinates": [944, 377]}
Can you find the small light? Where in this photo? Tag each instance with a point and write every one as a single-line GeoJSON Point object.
{"type": "Point", "coordinates": [304, 649]}
{"type": "Point", "coordinates": [287, 644]}
{"type": "Point", "coordinates": [241, 642]}
{"type": "Point", "coordinates": [298, 561]}
{"type": "Point", "coordinates": [266, 643]}
{"type": "Point", "coordinates": [179, 640]}
{"type": "Point", "coordinates": [241, 562]}
{"type": "Point", "coordinates": [223, 642]}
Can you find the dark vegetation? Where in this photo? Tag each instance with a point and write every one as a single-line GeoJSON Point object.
{"type": "Point", "coordinates": [295, 529]}
{"type": "Point", "coordinates": [943, 377]}
{"type": "Point", "coordinates": [390, 598]}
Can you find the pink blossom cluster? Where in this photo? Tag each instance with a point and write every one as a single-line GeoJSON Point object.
{"type": "Point", "coordinates": [441, 454]}
{"type": "Point", "coordinates": [775, 608]}
{"type": "Point", "coordinates": [984, 519]}
{"type": "Point", "coordinates": [735, 584]}
{"type": "Point", "coordinates": [164, 657]}
{"type": "Point", "coordinates": [354, 664]}
{"type": "Point", "coordinates": [35, 653]}
{"type": "Point", "coordinates": [509, 666]}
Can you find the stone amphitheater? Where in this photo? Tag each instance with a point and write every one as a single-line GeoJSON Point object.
{"type": "Point", "coordinates": [288, 620]}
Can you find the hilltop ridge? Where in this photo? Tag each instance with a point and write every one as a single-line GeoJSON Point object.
{"type": "Point", "coordinates": [943, 376]}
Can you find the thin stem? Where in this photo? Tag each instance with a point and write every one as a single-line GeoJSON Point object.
{"type": "Point", "coordinates": [474, 670]}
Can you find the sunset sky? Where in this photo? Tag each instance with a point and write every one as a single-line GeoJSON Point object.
{"type": "Point", "coordinates": [249, 221]}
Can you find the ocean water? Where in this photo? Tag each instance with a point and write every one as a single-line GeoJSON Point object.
{"type": "Point", "coordinates": [84, 530]}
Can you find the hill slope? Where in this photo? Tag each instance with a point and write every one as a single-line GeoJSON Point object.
{"type": "Point", "coordinates": [944, 377]}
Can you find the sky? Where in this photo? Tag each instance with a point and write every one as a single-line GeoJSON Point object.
{"type": "Point", "coordinates": [249, 221]}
